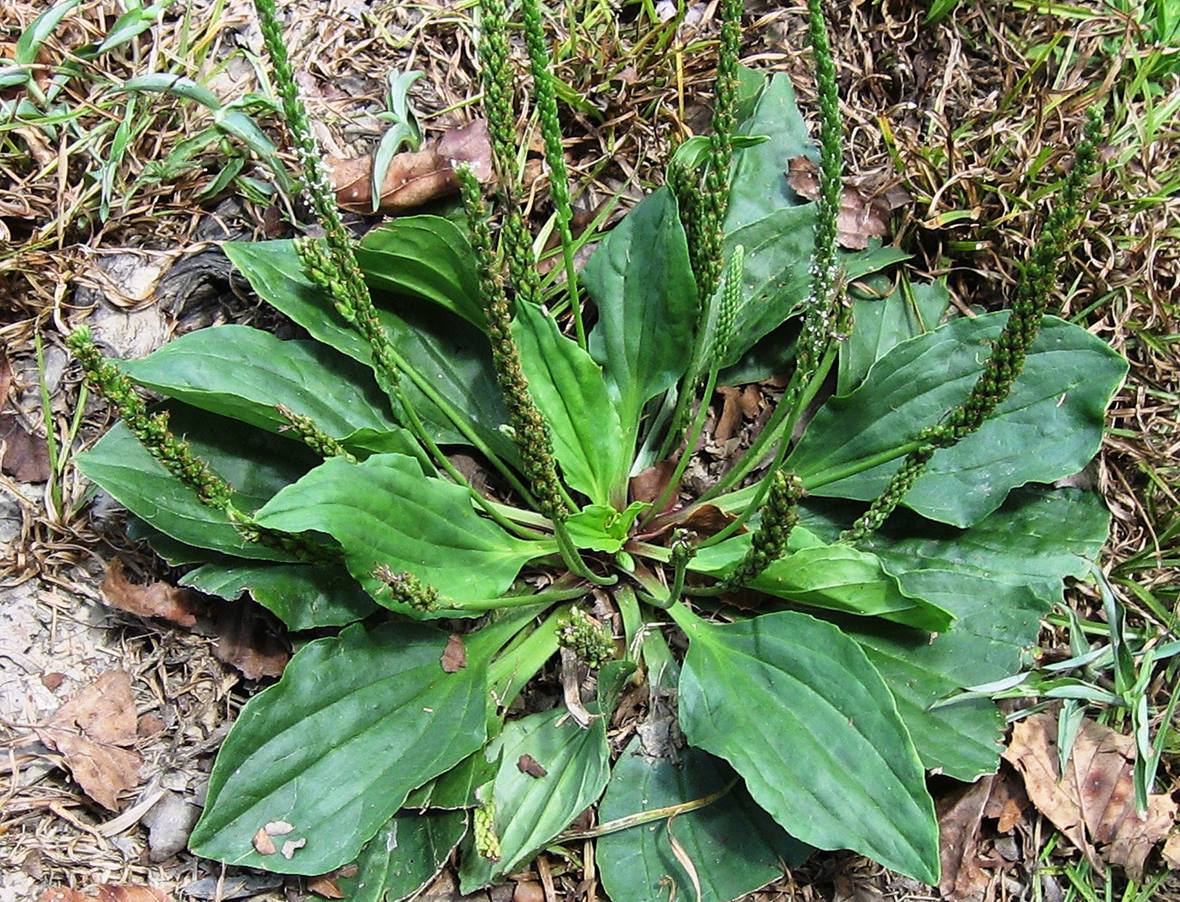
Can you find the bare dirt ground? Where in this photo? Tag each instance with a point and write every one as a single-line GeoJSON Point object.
{"type": "Point", "coordinates": [968, 116]}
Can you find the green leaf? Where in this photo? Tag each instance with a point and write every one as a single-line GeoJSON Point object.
{"type": "Point", "coordinates": [406, 854]}
{"type": "Point", "coordinates": [999, 578]}
{"type": "Point", "coordinates": [827, 755]}
{"type": "Point", "coordinates": [835, 577]}
{"type": "Point", "coordinates": [910, 310]}
{"type": "Point", "coordinates": [133, 23]}
{"type": "Point", "coordinates": [452, 356]}
{"type": "Point", "coordinates": [734, 846]}
{"type": "Point", "coordinates": [642, 284]}
{"type": "Point", "coordinates": [1049, 427]}
{"type": "Point", "coordinates": [568, 388]}
{"type": "Point", "coordinates": [529, 811]}
{"type": "Point", "coordinates": [425, 257]}
{"type": "Point", "coordinates": [598, 527]}
{"type": "Point", "coordinates": [384, 512]}
{"type": "Point", "coordinates": [333, 748]}
{"type": "Point", "coordinates": [245, 373]}
{"type": "Point", "coordinates": [303, 596]}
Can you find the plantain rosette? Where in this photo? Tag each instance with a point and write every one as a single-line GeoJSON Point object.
{"type": "Point", "coordinates": [802, 719]}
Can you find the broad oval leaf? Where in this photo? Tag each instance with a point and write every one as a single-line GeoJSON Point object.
{"type": "Point", "coordinates": [408, 852]}
{"type": "Point", "coordinates": [334, 747]}
{"type": "Point", "coordinates": [531, 810]}
{"type": "Point", "coordinates": [835, 577]}
{"type": "Point", "coordinates": [732, 844]}
{"type": "Point", "coordinates": [642, 284]}
{"type": "Point", "coordinates": [427, 257]}
{"type": "Point", "coordinates": [246, 373]}
{"type": "Point", "coordinates": [1049, 427]}
{"type": "Point", "coordinates": [827, 755]}
{"type": "Point", "coordinates": [570, 392]}
{"type": "Point", "coordinates": [384, 512]}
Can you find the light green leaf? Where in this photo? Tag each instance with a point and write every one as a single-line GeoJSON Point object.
{"type": "Point", "coordinates": [835, 577]}
{"type": "Point", "coordinates": [303, 596]}
{"type": "Point", "coordinates": [734, 846]}
{"type": "Point", "coordinates": [910, 310]}
{"type": "Point", "coordinates": [333, 748]}
{"type": "Point", "coordinates": [452, 356]}
{"type": "Point", "coordinates": [384, 512]}
{"type": "Point", "coordinates": [1050, 426]}
{"type": "Point", "coordinates": [827, 755]}
{"type": "Point", "coordinates": [529, 811]}
{"type": "Point", "coordinates": [425, 257]}
{"type": "Point", "coordinates": [245, 373]}
{"type": "Point", "coordinates": [568, 388]}
{"type": "Point", "coordinates": [642, 284]}
{"type": "Point", "coordinates": [406, 854]}
{"type": "Point", "coordinates": [598, 527]}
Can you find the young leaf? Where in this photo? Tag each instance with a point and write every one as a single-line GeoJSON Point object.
{"type": "Point", "coordinates": [245, 373]}
{"type": "Point", "coordinates": [642, 283]}
{"type": "Point", "coordinates": [1050, 426]}
{"type": "Point", "coordinates": [826, 755]}
{"type": "Point", "coordinates": [406, 854]}
{"type": "Point", "coordinates": [733, 845]}
{"type": "Point", "coordinates": [598, 527]}
{"type": "Point", "coordinates": [569, 390]}
{"type": "Point", "coordinates": [303, 596]}
{"type": "Point", "coordinates": [384, 512]}
{"type": "Point", "coordinates": [333, 748]}
{"type": "Point", "coordinates": [425, 257]}
{"type": "Point", "coordinates": [531, 808]}
{"type": "Point", "coordinates": [836, 577]}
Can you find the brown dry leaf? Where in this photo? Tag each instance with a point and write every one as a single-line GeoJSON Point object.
{"type": "Point", "coordinates": [246, 642]}
{"type": "Point", "coordinates": [23, 456]}
{"type": "Point", "coordinates": [5, 378]}
{"type": "Point", "coordinates": [413, 177]}
{"type": "Point", "coordinates": [959, 817]}
{"type": "Point", "coordinates": [156, 599]}
{"type": "Point", "coordinates": [708, 519]}
{"type": "Point", "coordinates": [89, 731]}
{"type": "Point", "coordinates": [647, 485]}
{"type": "Point", "coordinates": [262, 842]}
{"type": "Point", "coordinates": [1007, 802]}
{"type": "Point", "coordinates": [325, 886]}
{"type": "Point", "coordinates": [731, 414]}
{"type": "Point", "coordinates": [107, 892]}
{"type": "Point", "coordinates": [860, 218]}
{"type": "Point", "coordinates": [1171, 851]}
{"type": "Point", "coordinates": [454, 657]}
{"type": "Point", "coordinates": [527, 764]}
{"type": "Point", "coordinates": [1094, 803]}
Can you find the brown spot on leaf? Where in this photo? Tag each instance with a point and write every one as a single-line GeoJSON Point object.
{"type": "Point", "coordinates": [291, 846]}
{"type": "Point", "coordinates": [527, 764]}
{"type": "Point", "coordinates": [262, 842]}
{"type": "Point", "coordinates": [454, 656]}
{"type": "Point", "coordinates": [154, 599]}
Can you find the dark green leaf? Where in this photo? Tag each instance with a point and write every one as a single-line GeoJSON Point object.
{"type": "Point", "coordinates": [384, 512]}
{"type": "Point", "coordinates": [910, 310]}
{"type": "Point", "coordinates": [425, 257]}
{"type": "Point", "coordinates": [303, 596]}
{"type": "Point", "coordinates": [642, 283]}
{"type": "Point", "coordinates": [570, 392]}
{"type": "Point", "coordinates": [333, 748]}
{"type": "Point", "coordinates": [733, 844]}
{"type": "Point", "coordinates": [245, 373]}
{"type": "Point", "coordinates": [530, 810]}
{"type": "Point", "coordinates": [827, 755]}
{"type": "Point", "coordinates": [406, 854]}
{"type": "Point", "coordinates": [1050, 426]}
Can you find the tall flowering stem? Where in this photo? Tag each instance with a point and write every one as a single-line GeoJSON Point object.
{"type": "Point", "coordinates": [1006, 361]}
{"type": "Point", "coordinates": [546, 99]}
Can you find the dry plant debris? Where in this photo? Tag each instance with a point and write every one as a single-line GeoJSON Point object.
{"type": "Point", "coordinates": [154, 599]}
{"type": "Point", "coordinates": [1093, 802]}
{"type": "Point", "coordinates": [106, 892]}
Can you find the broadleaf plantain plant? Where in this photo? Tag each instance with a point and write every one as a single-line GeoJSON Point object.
{"type": "Point", "coordinates": [314, 475]}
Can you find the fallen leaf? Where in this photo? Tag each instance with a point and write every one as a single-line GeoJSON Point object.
{"type": "Point", "coordinates": [413, 177]}
{"type": "Point", "coordinates": [5, 378]}
{"type": "Point", "coordinates": [53, 680]}
{"type": "Point", "coordinates": [863, 215]}
{"type": "Point", "coordinates": [170, 822]}
{"type": "Point", "coordinates": [454, 657]}
{"type": "Point", "coordinates": [1007, 802]}
{"type": "Point", "coordinates": [325, 886]}
{"type": "Point", "coordinates": [959, 817]}
{"type": "Point", "coordinates": [647, 485]}
{"type": "Point", "coordinates": [245, 641]}
{"type": "Point", "coordinates": [23, 456]}
{"type": "Point", "coordinates": [528, 891]}
{"type": "Point", "coordinates": [107, 892]}
{"type": "Point", "coordinates": [1093, 804]}
{"type": "Point", "coordinates": [262, 842]}
{"type": "Point", "coordinates": [1171, 851]}
{"type": "Point", "coordinates": [731, 414]}
{"type": "Point", "coordinates": [89, 730]}
{"type": "Point", "coordinates": [707, 519]}
{"type": "Point", "coordinates": [527, 764]}
{"type": "Point", "coordinates": [154, 599]}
